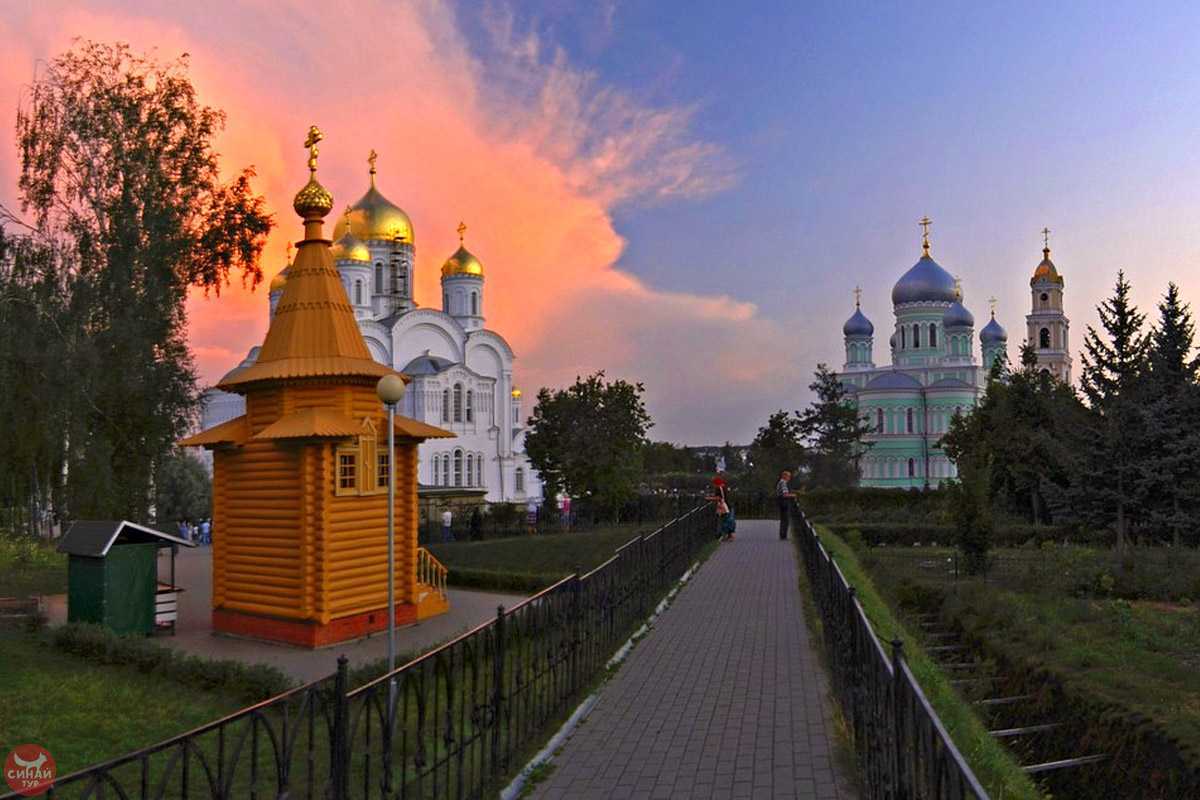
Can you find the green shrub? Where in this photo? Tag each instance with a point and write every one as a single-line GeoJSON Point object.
{"type": "Point", "coordinates": [495, 580]}
{"type": "Point", "coordinates": [249, 683]}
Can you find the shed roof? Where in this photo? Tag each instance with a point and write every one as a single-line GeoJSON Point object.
{"type": "Point", "coordinates": [234, 431]}
{"type": "Point", "coordinates": [94, 538]}
{"type": "Point", "coordinates": [310, 423]}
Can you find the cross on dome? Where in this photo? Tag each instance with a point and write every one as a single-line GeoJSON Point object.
{"type": "Point", "coordinates": [462, 231]}
{"type": "Point", "coordinates": [925, 222]}
{"type": "Point", "coordinates": [857, 296]}
{"type": "Point", "coordinates": [992, 303]}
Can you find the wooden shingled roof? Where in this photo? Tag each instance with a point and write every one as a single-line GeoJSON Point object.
{"type": "Point", "coordinates": [313, 332]}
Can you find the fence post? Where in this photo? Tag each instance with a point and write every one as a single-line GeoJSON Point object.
{"type": "Point", "coordinates": [577, 626]}
{"type": "Point", "coordinates": [643, 576]}
{"type": "Point", "coordinates": [339, 772]}
{"type": "Point", "coordinates": [497, 691]}
{"type": "Point", "coordinates": [900, 787]}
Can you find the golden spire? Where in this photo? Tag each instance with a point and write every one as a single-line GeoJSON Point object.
{"type": "Point", "coordinates": [857, 296]}
{"type": "Point", "coordinates": [371, 160]}
{"type": "Point", "coordinates": [925, 223]}
{"type": "Point", "coordinates": [314, 201]}
{"type": "Point", "coordinates": [462, 231]}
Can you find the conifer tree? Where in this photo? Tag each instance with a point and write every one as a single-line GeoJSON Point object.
{"type": "Point", "coordinates": [1171, 472]}
{"type": "Point", "coordinates": [1110, 487]}
{"type": "Point", "coordinates": [834, 431]}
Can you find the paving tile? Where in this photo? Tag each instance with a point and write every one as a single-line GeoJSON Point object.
{"type": "Point", "coordinates": [724, 698]}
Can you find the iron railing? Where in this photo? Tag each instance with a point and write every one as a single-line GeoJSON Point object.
{"type": "Point", "coordinates": [448, 724]}
{"type": "Point", "coordinates": [902, 748]}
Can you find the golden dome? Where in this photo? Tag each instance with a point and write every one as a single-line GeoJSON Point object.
{"type": "Point", "coordinates": [375, 217]}
{"type": "Point", "coordinates": [314, 201]}
{"type": "Point", "coordinates": [1046, 270]}
{"type": "Point", "coordinates": [463, 262]}
{"type": "Point", "coordinates": [279, 281]}
{"type": "Point", "coordinates": [350, 248]}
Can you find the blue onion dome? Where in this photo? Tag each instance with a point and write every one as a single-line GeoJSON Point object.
{"type": "Point", "coordinates": [926, 282]}
{"type": "Point", "coordinates": [858, 324]}
{"type": "Point", "coordinates": [957, 316]}
{"type": "Point", "coordinates": [993, 333]}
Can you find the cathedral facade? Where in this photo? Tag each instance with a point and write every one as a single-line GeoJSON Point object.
{"type": "Point", "coordinates": [934, 374]}
{"type": "Point", "coordinates": [462, 372]}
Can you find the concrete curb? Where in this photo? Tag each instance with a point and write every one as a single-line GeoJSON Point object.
{"type": "Point", "coordinates": [513, 790]}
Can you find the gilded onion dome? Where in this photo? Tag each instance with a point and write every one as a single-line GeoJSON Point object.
{"type": "Point", "coordinates": [374, 217]}
{"type": "Point", "coordinates": [1045, 270]}
{"type": "Point", "coordinates": [279, 281]}
{"type": "Point", "coordinates": [349, 247]}
{"type": "Point", "coordinates": [463, 262]}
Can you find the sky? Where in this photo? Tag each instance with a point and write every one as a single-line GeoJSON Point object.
{"type": "Point", "coordinates": [686, 194]}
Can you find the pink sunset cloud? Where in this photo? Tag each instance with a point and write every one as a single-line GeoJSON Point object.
{"type": "Point", "coordinates": [530, 152]}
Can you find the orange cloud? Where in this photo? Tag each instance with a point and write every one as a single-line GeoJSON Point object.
{"type": "Point", "coordinates": [532, 153]}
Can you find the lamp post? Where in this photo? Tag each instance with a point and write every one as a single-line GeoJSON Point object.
{"type": "Point", "coordinates": [391, 390]}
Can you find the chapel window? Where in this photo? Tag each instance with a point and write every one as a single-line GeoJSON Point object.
{"type": "Point", "coordinates": [446, 470]}
{"type": "Point", "coordinates": [458, 402]}
{"type": "Point", "coordinates": [358, 293]}
{"type": "Point", "coordinates": [932, 335]}
{"type": "Point", "coordinates": [1044, 339]}
{"type": "Point", "coordinates": [347, 474]}
{"type": "Point", "coordinates": [379, 279]}
{"type": "Point", "coordinates": [381, 470]}
{"type": "Point", "coordinates": [470, 406]}
{"type": "Point", "coordinates": [445, 405]}
{"type": "Point", "coordinates": [520, 479]}
{"type": "Point", "coordinates": [909, 421]}
{"type": "Point", "coordinates": [916, 336]}
{"type": "Point", "coordinates": [470, 467]}
{"type": "Point", "coordinates": [458, 468]}
{"type": "Point", "coordinates": [479, 469]}
{"type": "Point", "coordinates": [879, 420]}
{"type": "Point", "coordinates": [903, 337]}
{"type": "Point", "coordinates": [474, 304]}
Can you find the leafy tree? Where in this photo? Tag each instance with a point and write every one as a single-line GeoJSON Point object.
{"type": "Point", "coordinates": [971, 509]}
{"type": "Point", "coordinates": [1112, 450]}
{"type": "Point", "coordinates": [777, 446]}
{"type": "Point", "coordinates": [119, 173]}
{"type": "Point", "coordinates": [660, 458]}
{"type": "Point", "coordinates": [183, 490]}
{"type": "Point", "coordinates": [833, 431]}
{"type": "Point", "coordinates": [589, 440]}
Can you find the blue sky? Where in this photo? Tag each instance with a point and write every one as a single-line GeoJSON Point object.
{"type": "Point", "coordinates": [847, 123]}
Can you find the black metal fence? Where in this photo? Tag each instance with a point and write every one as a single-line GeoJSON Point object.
{"type": "Point", "coordinates": [903, 750]}
{"type": "Point", "coordinates": [446, 725]}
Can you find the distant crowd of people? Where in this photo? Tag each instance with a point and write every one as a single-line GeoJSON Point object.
{"type": "Point", "coordinates": [197, 533]}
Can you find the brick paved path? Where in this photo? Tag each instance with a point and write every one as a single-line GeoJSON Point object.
{"type": "Point", "coordinates": [724, 698]}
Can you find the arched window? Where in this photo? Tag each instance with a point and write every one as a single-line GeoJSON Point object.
{"type": "Point", "coordinates": [474, 304]}
{"type": "Point", "coordinates": [470, 406]}
{"type": "Point", "coordinates": [912, 468]}
{"type": "Point", "coordinates": [445, 405]}
{"type": "Point", "coordinates": [358, 293]}
{"type": "Point", "coordinates": [395, 278]}
{"type": "Point", "coordinates": [879, 420]}
{"type": "Point", "coordinates": [520, 479]}
{"type": "Point", "coordinates": [1045, 299]}
{"type": "Point", "coordinates": [903, 337]}
{"type": "Point", "coordinates": [458, 468]}
{"type": "Point", "coordinates": [379, 279]}
{"type": "Point", "coordinates": [1044, 339]}
{"type": "Point", "coordinates": [916, 336]}
{"type": "Point", "coordinates": [932, 335]}
{"type": "Point", "coordinates": [908, 425]}
{"type": "Point", "coordinates": [458, 402]}
{"type": "Point", "coordinates": [470, 467]}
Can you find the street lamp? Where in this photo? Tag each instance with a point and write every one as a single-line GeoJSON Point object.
{"type": "Point", "coordinates": [391, 391]}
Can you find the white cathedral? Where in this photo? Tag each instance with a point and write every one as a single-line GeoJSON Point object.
{"type": "Point", "coordinates": [462, 373]}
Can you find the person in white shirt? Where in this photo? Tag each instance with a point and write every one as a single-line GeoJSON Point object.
{"type": "Point", "coordinates": [447, 522]}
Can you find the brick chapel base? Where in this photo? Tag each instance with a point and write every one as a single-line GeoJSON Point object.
{"type": "Point", "coordinates": [312, 634]}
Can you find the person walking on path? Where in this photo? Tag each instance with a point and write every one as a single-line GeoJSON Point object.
{"type": "Point", "coordinates": [726, 522]}
{"type": "Point", "coordinates": [447, 521]}
{"type": "Point", "coordinates": [783, 496]}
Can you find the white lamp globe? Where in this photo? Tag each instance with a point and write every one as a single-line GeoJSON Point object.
{"type": "Point", "coordinates": [390, 389]}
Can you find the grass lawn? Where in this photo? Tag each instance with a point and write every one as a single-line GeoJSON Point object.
{"type": "Point", "coordinates": [528, 563]}
{"type": "Point", "coordinates": [991, 762]}
{"type": "Point", "coordinates": [84, 713]}
{"type": "Point", "coordinates": [29, 567]}
{"type": "Point", "coordinates": [1139, 655]}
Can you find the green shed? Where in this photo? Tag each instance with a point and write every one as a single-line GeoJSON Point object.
{"type": "Point", "coordinates": [112, 573]}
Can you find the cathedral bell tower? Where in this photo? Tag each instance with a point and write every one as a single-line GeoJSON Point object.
{"type": "Point", "coordinates": [1048, 327]}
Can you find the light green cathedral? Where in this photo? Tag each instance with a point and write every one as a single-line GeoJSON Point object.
{"type": "Point", "coordinates": [934, 375]}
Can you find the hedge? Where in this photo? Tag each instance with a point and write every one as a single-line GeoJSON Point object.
{"type": "Point", "coordinates": [878, 534]}
{"type": "Point", "coordinates": [248, 683]}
